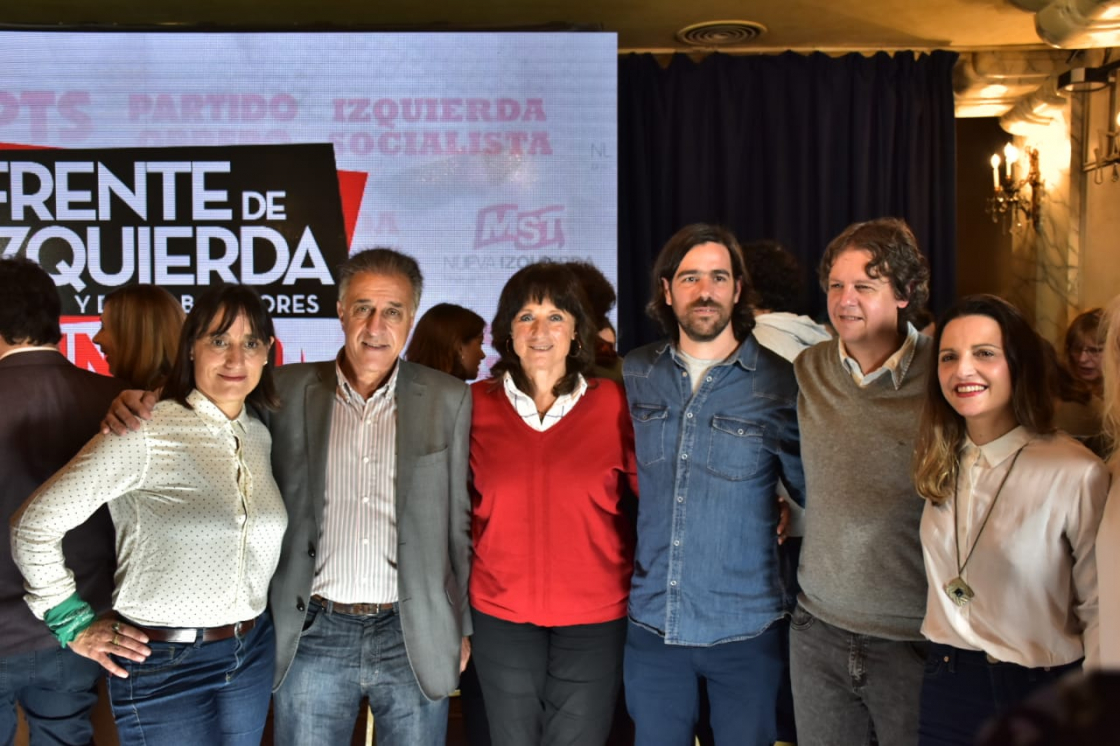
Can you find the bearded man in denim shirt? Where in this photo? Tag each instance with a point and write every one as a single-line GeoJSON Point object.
{"type": "Point", "coordinates": [715, 424]}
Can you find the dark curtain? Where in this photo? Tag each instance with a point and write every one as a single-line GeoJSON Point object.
{"type": "Point", "coordinates": [787, 147]}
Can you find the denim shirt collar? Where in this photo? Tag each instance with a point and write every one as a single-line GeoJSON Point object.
{"type": "Point", "coordinates": [745, 355]}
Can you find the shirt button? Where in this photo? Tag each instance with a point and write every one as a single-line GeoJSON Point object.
{"type": "Point", "coordinates": [680, 499]}
{"type": "Point", "coordinates": [684, 457]}
{"type": "Point", "coordinates": [689, 415]}
{"type": "Point", "coordinates": [365, 460]}
{"type": "Point", "coordinates": [709, 378]}
{"type": "Point", "coordinates": [369, 422]}
{"type": "Point", "coordinates": [684, 374]}
{"type": "Point", "coordinates": [677, 542]}
{"type": "Point", "coordinates": [365, 541]}
{"type": "Point", "coordinates": [672, 582]}
{"type": "Point", "coordinates": [365, 501]}
{"type": "Point", "coordinates": [740, 431]}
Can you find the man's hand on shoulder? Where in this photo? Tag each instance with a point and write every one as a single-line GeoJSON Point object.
{"type": "Point", "coordinates": [128, 411]}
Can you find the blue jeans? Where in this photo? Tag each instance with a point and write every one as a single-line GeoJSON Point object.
{"type": "Point", "coordinates": [853, 689]}
{"type": "Point", "coordinates": [342, 658]}
{"type": "Point", "coordinates": [962, 691]}
{"type": "Point", "coordinates": [662, 688]}
{"type": "Point", "coordinates": [56, 688]}
{"type": "Point", "coordinates": [198, 693]}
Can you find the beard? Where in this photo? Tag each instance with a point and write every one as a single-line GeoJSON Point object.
{"type": "Point", "coordinates": [707, 328]}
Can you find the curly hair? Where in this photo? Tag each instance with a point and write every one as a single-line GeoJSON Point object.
{"type": "Point", "coordinates": [534, 283]}
{"type": "Point", "coordinates": [894, 256]}
{"type": "Point", "coordinates": [669, 260]}
{"type": "Point", "coordinates": [941, 431]}
{"type": "Point", "coordinates": [775, 276]}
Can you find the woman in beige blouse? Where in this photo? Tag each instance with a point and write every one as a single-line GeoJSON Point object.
{"type": "Point", "coordinates": [199, 522]}
{"type": "Point", "coordinates": [1009, 525]}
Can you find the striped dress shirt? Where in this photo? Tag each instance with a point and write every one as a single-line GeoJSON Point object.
{"type": "Point", "coordinates": [357, 557]}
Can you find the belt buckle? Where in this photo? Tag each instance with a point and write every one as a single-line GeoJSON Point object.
{"type": "Point", "coordinates": [237, 629]}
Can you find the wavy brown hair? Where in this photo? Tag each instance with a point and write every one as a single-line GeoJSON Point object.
{"type": "Point", "coordinates": [669, 261]}
{"type": "Point", "coordinates": [941, 431]}
{"type": "Point", "coordinates": [535, 283]}
{"type": "Point", "coordinates": [144, 324]}
{"type": "Point", "coordinates": [894, 257]}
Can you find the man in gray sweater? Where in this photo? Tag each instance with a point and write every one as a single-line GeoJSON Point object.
{"type": "Point", "coordinates": [856, 649]}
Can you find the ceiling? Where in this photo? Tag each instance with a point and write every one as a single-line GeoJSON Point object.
{"type": "Point", "coordinates": [1004, 61]}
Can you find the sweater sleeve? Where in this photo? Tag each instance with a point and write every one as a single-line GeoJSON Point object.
{"type": "Point", "coordinates": [107, 467]}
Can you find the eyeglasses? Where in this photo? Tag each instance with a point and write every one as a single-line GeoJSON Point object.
{"type": "Point", "coordinates": [1079, 350]}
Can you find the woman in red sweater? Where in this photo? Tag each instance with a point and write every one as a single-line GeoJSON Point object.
{"type": "Point", "coordinates": [552, 465]}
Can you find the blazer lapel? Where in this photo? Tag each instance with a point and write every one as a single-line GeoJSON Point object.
{"type": "Point", "coordinates": [409, 429]}
{"type": "Point", "coordinates": [318, 408]}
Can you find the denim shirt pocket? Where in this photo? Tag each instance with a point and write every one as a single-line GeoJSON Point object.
{"type": "Point", "coordinates": [649, 432]}
{"type": "Point", "coordinates": [735, 447]}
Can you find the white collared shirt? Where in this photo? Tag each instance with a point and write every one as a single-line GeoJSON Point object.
{"type": "Point", "coordinates": [199, 518]}
{"type": "Point", "coordinates": [356, 560]}
{"type": "Point", "coordinates": [527, 408]}
{"type": "Point", "coordinates": [1033, 570]}
{"type": "Point", "coordinates": [897, 364]}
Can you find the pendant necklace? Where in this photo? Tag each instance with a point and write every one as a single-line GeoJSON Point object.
{"type": "Point", "coordinates": [956, 589]}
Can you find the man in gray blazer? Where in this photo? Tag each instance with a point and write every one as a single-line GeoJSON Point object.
{"type": "Point", "coordinates": [370, 596]}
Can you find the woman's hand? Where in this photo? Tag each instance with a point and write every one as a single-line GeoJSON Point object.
{"type": "Point", "coordinates": [107, 637]}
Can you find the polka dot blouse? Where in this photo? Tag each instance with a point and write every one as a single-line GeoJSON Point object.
{"type": "Point", "coordinates": [198, 516]}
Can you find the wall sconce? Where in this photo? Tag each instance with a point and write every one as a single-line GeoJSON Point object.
{"type": "Point", "coordinates": [1011, 202]}
{"type": "Point", "coordinates": [1107, 151]}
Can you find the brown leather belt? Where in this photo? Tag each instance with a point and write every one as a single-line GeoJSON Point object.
{"type": "Point", "coordinates": [190, 634]}
{"type": "Point", "coordinates": [334, 607]}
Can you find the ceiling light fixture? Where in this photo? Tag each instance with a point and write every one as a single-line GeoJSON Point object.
{"type": "Point", "coordinates": [721, 33]}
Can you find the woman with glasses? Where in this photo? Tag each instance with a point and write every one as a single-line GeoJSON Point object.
{"type": "Point", "coordinates": [199, 521]}
{"type": "Point", "coordinates": [1078, 405]}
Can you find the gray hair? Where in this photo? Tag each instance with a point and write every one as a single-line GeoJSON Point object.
{"type": "Point", "coordinates": [382, 261]}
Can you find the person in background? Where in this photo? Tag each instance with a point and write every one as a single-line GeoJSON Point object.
{"type": "Point", "coordinates": [856, 648]}
{"type": "Point", "coordinates": [601, 298]}
{"type": "Point", "coordinates": [1083, 349]}
{"type": "Point", "coordinates": [139, 334]}
{"type": "Point", "coordinates": [780, 326]}
{"type": "Point", "coordinates": [199, 521]}
{"type": "Point", "coordinates": [715, 426]}
{"type": "Point", "coordinates": [777, 280]}
{"type": "Point", "coordinates": [448, 338]}
{"type": "Point", "coordinates": [1009, 526]}
{"type": "Point", "coordinates": [1076, 411]}
{"type": "Point", "coordinates": [50, 409]}
{"type": "Point", "coordinates": [1108, 538]}
{"type": "Point", "coordinates": [552, 466]}
{"type": "Point", "coordinates": [1079, 382]}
